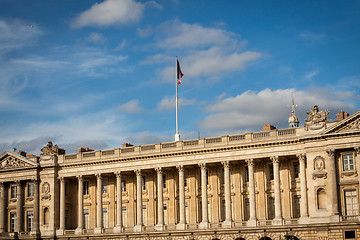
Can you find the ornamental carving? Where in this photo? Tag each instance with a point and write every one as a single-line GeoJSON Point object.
{"type": "Point", "coordinates": [51, 149]}
{"type": "Point", "coordinates": [11, 162]}
{"type": "Point", "coordinates": [319, 168]}
{"type": "Point", "coordinates": [355, 125]}
{"type": "Point", "coordinates": [45, 190]}
{"type": "Point", "coordinates": [317, 120]}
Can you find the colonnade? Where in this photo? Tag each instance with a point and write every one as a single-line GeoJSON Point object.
{"type": "Point", "coordinates": [181, 225]}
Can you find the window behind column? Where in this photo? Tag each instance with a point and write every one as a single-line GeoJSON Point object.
{"type": "Point", "coordinates": [351, 203]}
{"type": "Point", "coordinates": [86, 188]}
{"type": "Point", "coordinates": [12, 221]}
{"type": "Point", "coordinates": [124, 216]}
{"type": "Point", "coordinates": [105, 218]}
{"type": "Point", "coordinates": [297, 206]}
{"type": "Point", "coordinates": [271, 171]}
{"type": "Point", "coordinates": [30, 189]}
{"type": "Point", "coordinates": [348, 161]}
{"type": "Point", "coordinates": [123, 184]}
{"type": "Point", "coordinates": [29, 220]}
{"type": "Point", "coordinates": [165, 215]}
{"type": "Point", "coordinates": [86, 218]}
{"type": "Point", "coordinates": [104, 186]}
{"type": "Point", "coordinates": [271, 207]}
{"type": "Point", "coordinates": [13, 190]}
{"type": "Point", "coordinates": [296, 168]}
{"type": "Point", "coordinates": [247, 209]}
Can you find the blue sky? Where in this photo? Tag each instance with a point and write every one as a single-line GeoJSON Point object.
{"type": "Point", "coordinates": [100, 73]}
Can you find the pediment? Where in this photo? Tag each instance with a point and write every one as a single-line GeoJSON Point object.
{"type": "Point", "coordinates": [10, 160]}
{"type": "Point", "coordinates": [349, 124]}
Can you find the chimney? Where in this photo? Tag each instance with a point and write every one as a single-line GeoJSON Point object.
{"type": "Point", "coordinates": [341, 115]}
{"type": "Point", "coordinates": [22, 153]}
{"type": "Point", "coordinates": [268, 127]}
{"type": "Point", "coordinates": [125, 145]}
{"type": "Point", "coordinates": [83, 149]}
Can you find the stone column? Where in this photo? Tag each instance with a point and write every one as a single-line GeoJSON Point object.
{"type": "Point", "coordinates": [204, 204]}
{"type": "Point", "coordinates": [252, 220]}
{"type": "Point", "coordinates": [277, 191]}
{"type": "Point", "coordinates": [228, 217]}
{"type": "Point", "coordinates": [160, 204]}
{"type": "Point", "coordinates": [80, 227]}
{"type": "Point", "coordinates": [139, 219]}
{"type": "Point", "coordinates": [2, 207]}
{"type": "Point", "coordinates": [182, 223]}
{"type": "Point", "coordinates": [303, 187]}
{"type": "Point", "coordinates": [62, 207]}
{"type": "Point", "coordinates": [118, 227]}
{"type": "Point", "coordinates": [333, 188]}
{"type": "Point", "coordinates": [19, 210]}
{"type": "Point", "coordinates": [99, 210]}
{"type": "Point", "coordinates": [36, 227]}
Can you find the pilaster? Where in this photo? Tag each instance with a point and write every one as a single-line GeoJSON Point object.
{"type": "Point", "coordinates": [252, 222]}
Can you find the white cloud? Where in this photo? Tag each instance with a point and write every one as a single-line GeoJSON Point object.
{"type": "Point", "coordinates": [251, 110]}
{"type": "Point", "coordinates": [309, 75]}
{"type": "Point", "coordinates": [168, 103]}
{"type": "Point", "coordinates": [110, 12]}
{"type": "Point", "coordinates": [95, 38]}
{"type": "Point", "coordinates": [132, 106]}
{"type": "Point", "coordinates": [212, 63]}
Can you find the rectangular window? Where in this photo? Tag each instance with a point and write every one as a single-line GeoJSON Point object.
{"type": "Point", "coordinates": [165, 215]}
{"type": "Point", "coordinates": [30, 188]}
{"type": "Point", "coordinates": [144, 215]}
{"type": "Point", "coordinates": [143, 183]}
{"type": "Point", "coordinates": [123, 185]}
{"type": "Point", "coordinates": [66, 188]}
{"type": "Point", "coordinates": [297, 206]}
{"type": "Point", "coordinates": [13, 190]}
{"type": "Point", "coordinates": [271, 172]}
{"type": "Point", "coordinates": [124, 216]}
{"type": "Point", "coordinates": [351, 203]}
{"type": "Point", "coordinates": [246, 174]}
{"type": "Point", "coordinates": [187, 215]}
{"type": "Point", "coordinates": [86, 188]}
{"type": "Point", "coordinates": [86, 218]}
{"type": "Point", "coordinates": [185, 179]}
{"type": "Point", "coordinates": [271, 207]}
{"type": "Point", "coordinates": [222, 210]}
{"type": "Point", "coordinates": [164, 181]}
{"type": "Point", "coordinates": [348, 161]}
{"type": "Point", "coordinates": [104, 186]}
{"type": "Point", "coordinates": [12, 221]}
{"type": "Point", "coordinates": [247, 209]}
{"type": "Point", "coordinates": [223, 176]}
{"type": "Point", "coordinates": [207, 177]}
{"type": "Point", "coordinates": [350, 235]}
{"type": "Point", "coordinates": [105, 218]}
{"type": "Point", "coordinates": [296, 169]}
{"type": "Point", "coordinates": [29, 220]}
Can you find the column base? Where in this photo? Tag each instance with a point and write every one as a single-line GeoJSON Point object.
{"type": "Point", "coordinates": [304, 220]}
{"type": "Point", "coordinates": [227, 224]}
{"type": "Point", "coordinates": [251, 223]}
{"type": "Point", "coordinates": [98, 230]}
{"type": "Point", "coordinates": [181, 226]}
{"type": "Point", "coordinates": [60, 232]}
{"type": "Point", "coordinates": [159, 227]}
{"type": "Point", "coordinates": [204, 225]}
{"type": "Point", "coordinates": [335, 218]}
{"type": "Point", "coordinates": [118, 229]}
{"type": "Point", "coordinates": [278, 221]}
{"type": "Point", "coordinates": [78, 231]}
{"type": "Point", "coordinates": [138, 228]}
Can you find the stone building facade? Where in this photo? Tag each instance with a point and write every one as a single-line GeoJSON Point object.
{"type": "Point", "coordinates": [295, 183]}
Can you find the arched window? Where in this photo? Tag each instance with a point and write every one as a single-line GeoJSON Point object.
{"type": "Point", "coordinates": [321, 198]}
{"type": "Point", "coordinates": [46, 216]}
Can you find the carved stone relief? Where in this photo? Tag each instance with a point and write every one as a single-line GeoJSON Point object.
{"type": "Point", "coordinates": [319, 168]}
{"type": "Point", "coordinates": [45, 190]}
{"type": "Point", "coordinates": [12, 162]}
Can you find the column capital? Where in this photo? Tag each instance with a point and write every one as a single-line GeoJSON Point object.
{"type": "Point", "coordinates": [226, 164]}
{"type": "Point", "coordinates": [18, 183]}
{"type": "Point", "coordinates": [180, 168]}
{"type": "Point", "coordinates": [330, 152]}
{"type": "Point", "coordinates": [98, 176]}
{"type": "Point", "coordinates": [79, 177]}
{"type": "Point", "coordinates": [61, 179]}
{"type": "Point", "coordinates": [202, 166]}
{"type": "Point", "coordinates": [117, 174]}
{"type": "Point", "coordinates": [301, 156]}
{"type": "Point", "coordinates": [158, 170]}
{"type": "Point", "coordinates": [357, 149]}
{"type": "Point", "coordinates": [275, 159]}
{"type": "Point", "coordinates": [137, 172]}
{"type": "Point", "coordinates": [250, 162]}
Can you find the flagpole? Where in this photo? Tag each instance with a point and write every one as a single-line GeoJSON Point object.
{"type": "Point", "coordinates": [177, 135]}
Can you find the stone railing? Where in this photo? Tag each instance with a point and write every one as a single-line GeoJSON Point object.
{"type": "Point", "coordinates": [182, 145]}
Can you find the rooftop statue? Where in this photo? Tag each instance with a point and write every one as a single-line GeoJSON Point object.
{"type": "Point", "coordinates": [317, 120]}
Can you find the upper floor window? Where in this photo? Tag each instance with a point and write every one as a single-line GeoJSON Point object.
{"type": "Point", "coordinates": [30, 188]}
{"type": "Point", "coordinates": [13, 191]}
{"type": "Point", "coordinates": [143, 181]}
{"type": "Point", "coordinates": [185, 179]}
{"type": "Point", "coordinates": [123, 185]}
{"type": "Point", "coordinates": [164, 181]}
{"type": "Point", "coordinates": [271, 172]}
{"type": "Point", "coordinates": [348, 161]}
{"type": "Point", "coordinates": [104, 186]}
{"type": "Point", "coordinates": [246, 174]}
{"type": "Point", "coordinates": [86, 188]}
{"type": "Point", "coordinates": [351, 203]}
{"type": "Point", "coordinates": [296, 169]}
